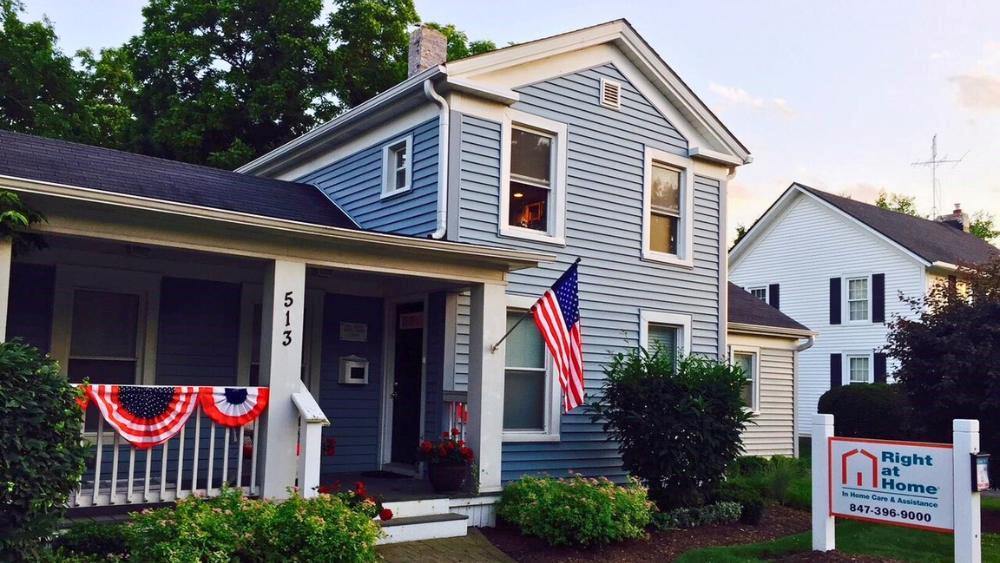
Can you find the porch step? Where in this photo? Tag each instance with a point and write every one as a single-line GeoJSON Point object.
{"type": "Point", "coordinates": [429, 527]}
{"type": "Point", "coordinates": [420, 507]}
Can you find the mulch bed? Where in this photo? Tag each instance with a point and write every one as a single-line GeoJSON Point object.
{"type": "Point", "coordinates": [990, 522]}
{"type": "Point", "coordinates": [661, 546]}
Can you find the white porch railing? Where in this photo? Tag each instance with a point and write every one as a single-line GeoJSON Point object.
{"type": "Point", "coordinates": [457, 411]}
{"type": "Point", "coordinates": [197, 461]}
{"type": "Point", "coordinates": [311, 423]}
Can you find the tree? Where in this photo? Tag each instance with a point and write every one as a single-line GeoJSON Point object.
{"type": "Point", "coordinates": [983, 226]}
{"type": "Point", "coordinates": [107, 90]}
{"type": "Point", "coordinates": [459, 45]}
{"type": "Point", "coordinates": [220, 83]}
{"type": "Point", "coordinates": [949, 357]}
{"type": "Point", "coordinates": [741, 231]}
{"type": "Point", "coordinates": [372, 43]}
{"type": "Point", "coordinates": [39, 91]}
{"type": "Point", "coordinates": [897, 202]}
{"type": "Point", "coordinates": [16, 220]}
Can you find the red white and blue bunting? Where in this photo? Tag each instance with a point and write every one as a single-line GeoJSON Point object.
{"type": "Point", "coordinates": [233, 406]}
{"type": "Point", "coordinates": [145, 416]}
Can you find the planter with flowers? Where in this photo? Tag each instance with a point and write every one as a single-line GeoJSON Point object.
{"type": "Point", "coordinates": [448, 461]}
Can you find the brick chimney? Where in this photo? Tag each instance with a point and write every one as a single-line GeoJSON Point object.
{"type": "Point", "coordinates": [958, 219]}
{"type": "Point", "coordinates": [428, 48]}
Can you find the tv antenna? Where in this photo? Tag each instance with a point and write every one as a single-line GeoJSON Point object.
{"type": "Point", "coordinates": [933, 164]}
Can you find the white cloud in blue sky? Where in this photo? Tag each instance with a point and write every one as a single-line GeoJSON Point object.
{"type": "Point", "coordinates": [839, 95]}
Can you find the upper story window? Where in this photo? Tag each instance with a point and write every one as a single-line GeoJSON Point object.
{"type": "Point", "coordinates": [858, 299]}
{"type": "Point", "coordinates": [397, 166]}
{"type": "Point", "coordinates": [533, 191]}
{"type": "Point", "coordinates": [668, 195]}
{"type": "Point", "coordinates": [759, 292]}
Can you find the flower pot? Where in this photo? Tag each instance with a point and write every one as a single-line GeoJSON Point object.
{"type": "Point", "coordinates": [447, 477]}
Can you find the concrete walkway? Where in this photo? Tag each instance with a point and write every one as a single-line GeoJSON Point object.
{"type": "Point", "coordinates": [471, 548]}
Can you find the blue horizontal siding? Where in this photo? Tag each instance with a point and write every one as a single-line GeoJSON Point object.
{"type": "Point", "coordinates": [605, 152]}
{"type": "Point", "coordinates": [29, 316]}
{"type": "Point", "coordinates": [355, 184]}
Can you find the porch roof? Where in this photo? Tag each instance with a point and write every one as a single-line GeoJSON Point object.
{"type": "Point", "coordinates": [85, 166]}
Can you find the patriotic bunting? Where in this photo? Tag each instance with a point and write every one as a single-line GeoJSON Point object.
{"type": "Point", "coordinates": [233, 407]}
{"type": "Point", "coordinates": [145, 416]}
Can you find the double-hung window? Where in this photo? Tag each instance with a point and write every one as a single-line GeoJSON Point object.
{"type": "Point", "coordinates": [668, 188]}
{"type": "Point", "coordinates": [759, 292]}
{"type": "Point", "coordinates": [397, 166]}
{"type": "Point", "coordinates": [531, 396]}
{"type": "Point", "coordinates": [747, 359]}
{"type": "Point", "coordinates": [669, 332]}
{"type": "Point", "coordinates": [859, 368]}
{"type": "Point", "coordinates": [532, 203]}
{"type": "Point", "coordinates": [858, 299]}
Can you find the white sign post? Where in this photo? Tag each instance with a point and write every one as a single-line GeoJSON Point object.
{"type": "Point", "coordinates": [919, 485]}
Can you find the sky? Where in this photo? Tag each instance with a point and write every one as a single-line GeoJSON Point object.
{"type": "Point", "coordinates": [842, 96]}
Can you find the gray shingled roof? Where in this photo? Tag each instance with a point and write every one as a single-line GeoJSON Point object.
{"type": "Point", "coordinates": [930, 240]}
{"type": "Point", "coordinates": [747, 309]}
{"type": "Point", "coordinates": [62, 162]}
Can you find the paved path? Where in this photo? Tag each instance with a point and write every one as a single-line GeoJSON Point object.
{"type": "Point", "coordinates": [471, 548]}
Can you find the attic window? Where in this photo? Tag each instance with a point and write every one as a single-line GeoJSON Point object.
{"type": "Point", "coordinates": [611, 94]}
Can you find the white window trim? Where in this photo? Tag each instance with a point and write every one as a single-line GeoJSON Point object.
{"type": "Point", "coordinates": [679, 320]}
{"type": "Point", "coordinates": [766, 287]}
{"type": "Point", "coordinates": [557, 227]}
{"type": "Point", "coordinates": [845, 292]}
{"type": "Point", "coordinates": [755, 350]}
{"type": "Point", "coordinates": [685, 231]}
{"type": "Point", "coordinates": [846, 377]}
{"type": "Point", "coordinates": [552, 416]}
{"type": "Point", "coordinates": [389, 173]}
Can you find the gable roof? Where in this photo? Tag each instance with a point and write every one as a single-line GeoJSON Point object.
{"type": "Point", "coordinates": [73, 164]}
{"type": "Point", "coordinates": [454, 76]}
{"type": "Point", "coordinates": [748, 310]}
{"type": "Point", "coordinates": [928, 241]}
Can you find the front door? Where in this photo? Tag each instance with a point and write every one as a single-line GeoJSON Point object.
{"type": "Point", "coordinates": [407, 375]}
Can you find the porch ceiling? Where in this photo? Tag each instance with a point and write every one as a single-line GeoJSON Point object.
{"type": "Point", "coordinates": [93, 214]}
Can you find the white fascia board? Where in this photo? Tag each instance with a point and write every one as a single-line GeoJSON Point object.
{"type": "Point", "coordinates": [354, 115]}
{"type": "Point", "coordinates": [762, 225]}
{"type": "Point", "coordinates": [505, 96]}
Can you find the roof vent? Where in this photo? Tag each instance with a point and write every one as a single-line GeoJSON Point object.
{"type": "Point", "coordinates": [611, 94]}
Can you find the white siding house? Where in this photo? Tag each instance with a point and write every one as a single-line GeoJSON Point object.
{"type": "Point", "coordinates": [840, 267]}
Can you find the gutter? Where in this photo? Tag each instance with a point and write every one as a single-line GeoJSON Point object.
{"type": "Point", "coordinates": [764, 330]}
{"type": "Point", "coordinates": [442, 175]}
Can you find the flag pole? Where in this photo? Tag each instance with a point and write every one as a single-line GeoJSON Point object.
{"type": "Point", "coordinates": [524, 315]}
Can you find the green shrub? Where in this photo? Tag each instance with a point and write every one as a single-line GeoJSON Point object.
{"type": "Point", "coordinates": [748, 465]}
{"type": "Point", "coordinates": [232, 527]}
{"type": "Point", "coordinates": [780, 479]}
{"type": "Point", "coordinates": [800, 494]}
{"type": "Point", "coordinates": [92, 538]}
{"type": "Point", "coordinates": [677, 424]}
{"type": "Point", "coordinates": [41, 459]}
{"type": "Point", "coordinates": [722, 512]}
{"type": "Point", "coordinates": [576, 511]}
{"type": "Point", "coordinates": [779, 475]}
{"type": "Point", "coordinates": [751, 502]}
{"type": "Point", "coordinates": [868, 411]}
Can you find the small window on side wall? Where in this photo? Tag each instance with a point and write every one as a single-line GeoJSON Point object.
{"type": "Point", "coordinates": [746, 360]}
{"type": "Point", "coordinates": [533, 183]}
{"type": "Point", "coordinates": [667, 208]}
{"type": "Point", "coordinates": [397, 167]}
{"type": "Point", "coordinates": [759, 292]}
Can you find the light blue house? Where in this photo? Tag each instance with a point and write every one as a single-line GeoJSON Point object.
{"type": "Point", "coordinates": [413, 231]}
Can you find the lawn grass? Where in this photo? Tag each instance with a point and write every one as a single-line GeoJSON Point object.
{"type": "Point", "coordinates": [990, 503]}
{"type": "Point", "coordinates": [856, 538]}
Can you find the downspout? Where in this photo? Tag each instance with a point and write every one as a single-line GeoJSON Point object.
{"type": "Point", "coordinates": [443, 128]}
{"type": "Point", "coordinates": [795, 393]}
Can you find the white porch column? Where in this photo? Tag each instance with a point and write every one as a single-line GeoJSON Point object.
{"type": "Point", "coordinates": [6, 256]}
{"type": "Point", "coordinates": [485, 428]}
{"type": "Point", "coordinates": [283, 310]}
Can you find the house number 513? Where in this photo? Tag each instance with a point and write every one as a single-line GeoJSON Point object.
{"type": "Point", "coordinates": [288, 318]}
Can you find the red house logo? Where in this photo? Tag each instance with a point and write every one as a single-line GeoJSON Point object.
{"type": "Point", "coordinates": [860, 474]}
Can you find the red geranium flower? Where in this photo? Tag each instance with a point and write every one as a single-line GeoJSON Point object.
{"type": "Point", "coordinates": [466, 453]}
{"type": "Point", "coordinates": [445, 435]}
{"type": "Point", "coordinates": [385, 515]}
{"type": "Point", "coordinates": [426, 446]}
{"type": "Point", "coordinates": [360, 489]}
{"type": "Point", "coordinates": [455, 431]}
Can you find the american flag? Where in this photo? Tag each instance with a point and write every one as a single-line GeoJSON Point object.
{"type": "Point", "coordinates": [557, 315]}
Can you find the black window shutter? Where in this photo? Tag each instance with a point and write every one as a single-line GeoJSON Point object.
{"type": "Point", "coordinates": [836, 379]}
{"type": "Point", "coordinates": [878, 298]}
{"type": "Point", "coordinates": [835, 301]}
{"type": "Point", "coordinates": [774, 295]}
{"type": "Point", "coordinates": [880, 371]}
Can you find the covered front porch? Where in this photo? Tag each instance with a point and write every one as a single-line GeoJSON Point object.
{"type": "Point", "coordinates": [353, 333]}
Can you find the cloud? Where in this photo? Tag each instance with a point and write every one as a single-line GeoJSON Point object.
{"type": "Point", "coordinates": [978, 91]}
{"type": "Point", "coordinates": [740, 97]}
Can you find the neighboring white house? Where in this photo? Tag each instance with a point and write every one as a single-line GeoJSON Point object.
{"type": "Point", "coordinates": [840, 266]}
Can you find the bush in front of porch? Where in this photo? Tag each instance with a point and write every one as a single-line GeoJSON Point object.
{"type": "Point", "coordinates": [41, 459]}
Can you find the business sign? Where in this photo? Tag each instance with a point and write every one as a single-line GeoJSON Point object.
{"type": "Point", "coordinates": [901, 483]}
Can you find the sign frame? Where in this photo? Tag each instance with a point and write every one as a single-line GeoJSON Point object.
{"type": "Point", "coordinates": [830, 464]}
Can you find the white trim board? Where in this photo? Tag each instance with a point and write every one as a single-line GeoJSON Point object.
{"type": "Point", "coordinates": [685, 231]}
{"type": "Point", "coordinates": [679, 320]}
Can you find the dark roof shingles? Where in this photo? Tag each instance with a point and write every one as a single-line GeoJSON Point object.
{"type": "Point", "coordinates": [747, 309]}
{"type": "Point", "coordinates": [930, 240]}
{"type": "Point", "coordinates": [62, 162]}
